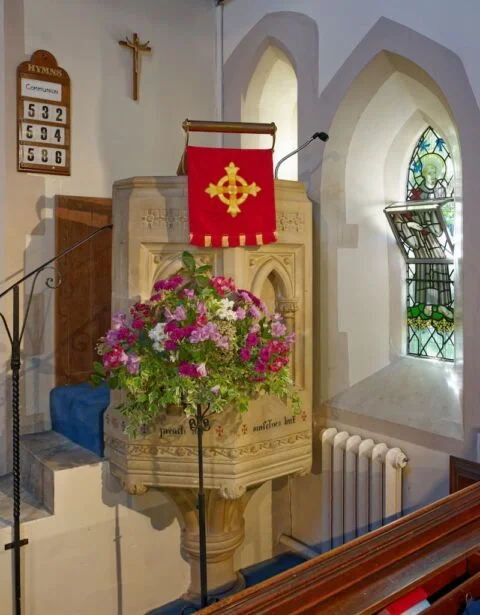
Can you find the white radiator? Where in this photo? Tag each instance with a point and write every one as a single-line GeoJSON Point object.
{"type": "Point", "coordinates": [361, 486]}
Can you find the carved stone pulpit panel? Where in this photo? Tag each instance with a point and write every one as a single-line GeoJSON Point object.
{"type": "Point", "coordinates": [242, 451]}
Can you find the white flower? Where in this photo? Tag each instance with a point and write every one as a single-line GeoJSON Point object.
{"type": "Point", "coordinates": [225, 311]}
{"type": "Point", "coordinates": [157, 346]}
{"type": "Point", "coordinates": [157, 334]}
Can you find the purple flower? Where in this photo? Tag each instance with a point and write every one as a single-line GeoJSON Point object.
{"type": "Point", "coordinates": [278, 328]}
{"type": "Point", "coordinates": [252, 340]}
{"type": "Point", "coordinates": [240, 312]}
{"type": "Point", "coordinates": [111, 337]}
{"type": "Point", "coordinates": [119, 320]}
{"type": "Point", "coordinates": [255, 328]}
{"type": "Point", "coordinates": [180, 313]}
{"type": "Point", "coordinates": [133, 363]}
{"type": "Point", "coordinates": [188, 292]}
{"type": "Point", "coordinates": [222, 342]}
{"type": "Point", "coordinates": [276, 316]}
{"type": "Point", "coordinates": [206, 332]}
{"type": "Point", "coordinates": [290, 339]}
{"type": "Point", "coordinates": [245, 295]}
{"type": "Point", "coordinates": [254, 312]}
{"type": "Point", "coordinates": [245, 354]}
{"type": "Point", "coordinates": [201, 308]}
{"type": "Point", "coordinates": [263, 306]}
{"type": "Point", "coordinates": [216, 389]}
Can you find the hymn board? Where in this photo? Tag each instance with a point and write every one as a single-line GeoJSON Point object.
{"type": "Point", "coordinates": [43, 116]}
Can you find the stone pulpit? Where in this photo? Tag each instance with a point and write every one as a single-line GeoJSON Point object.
{"type": "Point", "coordinates": [242, 451]}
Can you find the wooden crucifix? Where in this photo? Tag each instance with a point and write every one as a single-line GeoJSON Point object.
{"type": "Point", "coordinates": [137, 48]}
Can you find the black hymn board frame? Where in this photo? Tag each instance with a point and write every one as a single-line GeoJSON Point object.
{"type": "Point", "coordinates": [43, 116]}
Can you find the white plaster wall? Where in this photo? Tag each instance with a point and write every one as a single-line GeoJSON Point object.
{"type": "Point", "coordinates": [112, 135]}
{"type": "Point", "coordinates": [363, 273]}
{"type": "Point", "coordinates": [104, 552]}
{"type": "Point", "coordinates": [272, 97]}
{"type": "Point", "coordinates": [343, 25]}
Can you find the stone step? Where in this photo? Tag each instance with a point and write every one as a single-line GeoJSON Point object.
{"type": "Point", "coordinates": [42, 455]}
{"type": "Point", "coordinates": [30, 508]}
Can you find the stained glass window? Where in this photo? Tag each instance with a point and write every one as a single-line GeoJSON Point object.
{"type": "Point", "coordinates": [423, 227]}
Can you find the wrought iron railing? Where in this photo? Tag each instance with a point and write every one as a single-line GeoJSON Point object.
{"type": "Point", "coordinates": [15, 336]}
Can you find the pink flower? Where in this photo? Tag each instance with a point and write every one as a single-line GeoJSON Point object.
{"type": "Point", "coordinates": [191, 370]}
{"type": "Point", "coordinates": [260, 367]}
{"type": "Point", "coordinates": [187, 293]}
{"type": "Point", "coordinates": [255, 328]}
{"type": "Point", "coordinates": [245, 354]}
{"type": "Point", "coordinates": [122, 334]}
{"type": "Point", "coordinates": [201, 308]}
{"type": "Point", "coordinates": [170, 284]}
{"type": "Point", "coordinates": [252, 340]}
{"type": "Point", "coordinates": [278, 328]}
{"type": "Point", "coordinates": [222, 285]}
{"type": "Point", "coordinates": [188, 370]}
{"type": "Point", "coordinates": [140, 309]}
{"type": "Point", "coordinates": [276, 365]}
{"type": "Point", "coordinates": [116, 357]}
{"type": "Point", "coordinates": [180, 333]}
{"type": "Point", "coordinates": [202, 370]}
{"type": "Point", "coordinates": [170, 345]}
{"type": "Point", "coordinates": [119, 320]}
{"type": "Point", "coordinates": [264, 354]}
{"type": "Point", "coordinates": [180, 313]}
{"type": "Point", "coordinates": [133, 363]}
{"type": "Point", "coordinates": [215, 389]}
{"type": "Point", "coordinates": [170, 326]}
{"type": "Point", "coordinates": [137, 323]}
{"type": "Point", "coordinates": [276, 346]}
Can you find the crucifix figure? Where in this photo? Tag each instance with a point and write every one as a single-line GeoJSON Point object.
{"type": "Point", "coordinates": [137, 48]}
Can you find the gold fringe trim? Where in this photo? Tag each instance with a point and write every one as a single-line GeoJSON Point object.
{"type": "Point", "coordinates": [242, 239]}
{"type": "Point", "coordinates": [208, 241]}
{"type": "Point", "coordinates": [225, 242]}
{"type": "Point", "coordinates": [259, 238]}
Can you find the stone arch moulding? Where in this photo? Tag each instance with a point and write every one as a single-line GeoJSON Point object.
{"type": "Point", "coordinates": [299, 37]}
{"type": "Point", "coordinates": [275, 267]}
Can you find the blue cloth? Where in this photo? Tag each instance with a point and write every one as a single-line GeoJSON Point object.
{"type": "Point", "coordinates": [77, 413]}
{"type": "Point", "coordinates": [473, 608]}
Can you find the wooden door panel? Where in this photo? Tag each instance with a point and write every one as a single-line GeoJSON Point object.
{"type": "Point", "coordinates": [83, 301]}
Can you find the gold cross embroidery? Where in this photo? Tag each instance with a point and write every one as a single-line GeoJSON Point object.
{"type": "Point", "coordinates": [230, 193]}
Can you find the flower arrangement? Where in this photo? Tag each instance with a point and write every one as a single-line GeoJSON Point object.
{"type": "Point", "coordinates": [198, 341]}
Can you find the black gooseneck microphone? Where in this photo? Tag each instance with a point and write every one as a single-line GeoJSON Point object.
{"type": "Point", "coordinates": [317, 135]}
